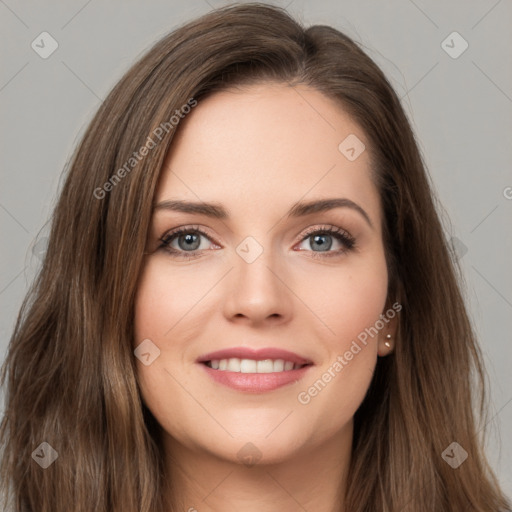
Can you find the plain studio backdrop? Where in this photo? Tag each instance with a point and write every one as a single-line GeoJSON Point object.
{"type": "Point", "coordinates": [450, 62]}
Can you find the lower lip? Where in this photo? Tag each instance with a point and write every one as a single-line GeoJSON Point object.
{"type": "Point", "coordinates": [256, 382]}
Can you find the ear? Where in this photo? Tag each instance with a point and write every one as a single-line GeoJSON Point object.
{"type": "Point", "coordinates": [386, 341]}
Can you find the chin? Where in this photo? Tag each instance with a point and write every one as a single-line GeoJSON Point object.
{"type": "Point", "coordinates": [250, 451]}
{"type": "Point", "coordinates": [249, 446]}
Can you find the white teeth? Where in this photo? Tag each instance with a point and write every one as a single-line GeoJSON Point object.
{"type": "Point", "coordinates": [278, 365]}
{"type": "Point", "coordinates": [288, 366]}
{"type": "Point", "coordinates": [265, 366]}
{"type": "Point", "coordinates": [248, 366]}
{"type": "Point", "coordinates": [235, 364]}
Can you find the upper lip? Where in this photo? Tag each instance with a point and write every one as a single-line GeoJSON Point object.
{"type": "Point", "coordinates": [256, 354]}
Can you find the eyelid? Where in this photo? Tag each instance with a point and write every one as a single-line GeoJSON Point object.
{"type": "Point", "coordinates": [188, 227]}
{"type": "Point", "coordinates": [328, 228]}
{"type": "Point", "coordinates": [342, 235]}
{"type": "Point", "coordinates": [166, 239]}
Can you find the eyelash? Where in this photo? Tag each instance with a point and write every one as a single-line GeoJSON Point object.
{"type": "Point", "coordinates": [339, 234]}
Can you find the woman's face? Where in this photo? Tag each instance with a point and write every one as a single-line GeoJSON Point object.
{"type": "Point", "coordinates": [280, 299]}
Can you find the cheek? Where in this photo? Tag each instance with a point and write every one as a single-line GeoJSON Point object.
{"type": "Point", "coordinates": [170, 310]}
{"type": "Point", "coordinates": [350, 304]}
{"type": "Point", "coordinates": [347, 300]}
{"type": "Point", "coordinates": [160, 303]}
{"type": "Point", "coordinates": [165, 301]}
{"type": "Point", "coordinates": [163, 306]}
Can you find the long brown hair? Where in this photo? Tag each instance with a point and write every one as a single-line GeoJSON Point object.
{"type": "Point", "coordinates": [70, 374]}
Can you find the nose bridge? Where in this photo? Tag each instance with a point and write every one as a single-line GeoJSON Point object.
{"type": "Point", "coordinates": [257, 289]}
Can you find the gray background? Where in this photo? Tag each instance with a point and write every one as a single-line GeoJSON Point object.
{"type": "Point", "coordinates": [460, 109]}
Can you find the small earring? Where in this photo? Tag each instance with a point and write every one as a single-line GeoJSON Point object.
{"type": "Point", "coordinates": [387, 343]}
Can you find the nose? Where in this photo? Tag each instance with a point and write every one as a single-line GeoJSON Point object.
{"type": "Point", "coordinates": [257, 293]}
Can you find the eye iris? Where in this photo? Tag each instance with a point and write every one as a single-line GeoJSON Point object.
{"type": "Point", "coordinates": [191, 241]}
{"type": "Point", "coordinates": [322, 244]}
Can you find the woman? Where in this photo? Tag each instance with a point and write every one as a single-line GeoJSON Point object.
{"type": "Point", "coordinates": [247, 302]}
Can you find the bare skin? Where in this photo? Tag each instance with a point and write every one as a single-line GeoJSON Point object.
{"type": "Point", "coordinates": [257, 151]}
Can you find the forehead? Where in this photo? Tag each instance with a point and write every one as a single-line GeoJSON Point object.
{"type": "Point", "coordinates": [266, 145]}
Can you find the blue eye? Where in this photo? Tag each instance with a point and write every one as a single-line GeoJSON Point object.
{"type": "Point", "coordinates": [324, 238]}
{"type": "Point", "coordinates": [186, 242]}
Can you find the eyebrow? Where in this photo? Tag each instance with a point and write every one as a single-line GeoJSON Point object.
{"type": "Point", "coordinates": [299, 209]}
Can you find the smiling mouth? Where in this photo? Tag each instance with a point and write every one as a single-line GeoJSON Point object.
{"type": "Point", "coordinates": [237, 365]}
